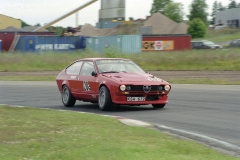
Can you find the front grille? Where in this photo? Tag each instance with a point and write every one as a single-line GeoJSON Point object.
{"type": "Point", "coordinates": [140, 88]}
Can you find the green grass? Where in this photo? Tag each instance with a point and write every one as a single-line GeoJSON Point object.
{"type": "Point", "coordinates": [197, 60]}
{"type": "Point", "coordinates": [27, 133]}
{"type": "Point", "coordinates": [222, 35]}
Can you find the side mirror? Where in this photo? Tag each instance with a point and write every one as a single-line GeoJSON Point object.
{"type": "Point", "coordinates": [94, 73]}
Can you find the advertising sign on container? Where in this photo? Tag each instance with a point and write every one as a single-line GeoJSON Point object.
{"type": "Point", "coordinates": [157, 45]}
{"type": "Point", "coordinates": [50, 43]}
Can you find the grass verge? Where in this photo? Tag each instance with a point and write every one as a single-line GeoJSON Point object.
{"type": "Point", "coordinates": [27, 133]}
{"type": "Point", "coordinates": [225, 34]}
{"type": "Point", "coordinates": [195, 60]}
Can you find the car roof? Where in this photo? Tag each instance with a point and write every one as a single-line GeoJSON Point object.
{"type": "Point", "coordinates": [95, 59]}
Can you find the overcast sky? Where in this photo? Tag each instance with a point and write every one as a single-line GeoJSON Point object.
{"type": "Point", "coordinates": [45, 11]}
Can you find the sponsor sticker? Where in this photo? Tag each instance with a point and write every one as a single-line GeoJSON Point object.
{"type": "Point", "coordinates": [157, 45]}
{"type": "Point", "coordinates": [152, 79]}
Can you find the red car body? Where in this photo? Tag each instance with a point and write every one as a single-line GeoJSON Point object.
{"type": "Point", "coordinates": [111, 87]}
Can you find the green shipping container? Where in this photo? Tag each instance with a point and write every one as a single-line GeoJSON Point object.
{"type": "Point", "coordinates": [120, 43]}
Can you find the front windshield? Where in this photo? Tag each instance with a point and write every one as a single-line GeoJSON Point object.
{"type": "Point", "coordinates": [116, 65]}
{"type": "Point", "coordinates": [208, 43]}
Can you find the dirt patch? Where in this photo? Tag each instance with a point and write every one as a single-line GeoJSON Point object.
{"type": "Point", "coordinates": [160, 25]}
{"type": "Point", "coordinates": [164, 25]}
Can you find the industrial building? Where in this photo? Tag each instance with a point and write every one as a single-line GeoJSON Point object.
{"type": "Point", "coordinates": [111, 14]}
{"type": "Point", "coordinates": [229, 18]}
{"type": "Point", "coordinates": [6, 21]}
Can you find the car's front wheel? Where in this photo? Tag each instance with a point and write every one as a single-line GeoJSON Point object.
{"type": "Point", "coordinates": [158, 105]}
{"type": "Point", "coordinates": [104, 99]}
{"type": "Point", "coordinates": [67, 98]}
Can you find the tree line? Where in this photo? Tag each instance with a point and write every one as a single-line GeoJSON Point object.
{"type": "Point", "coordinates": [197, 17]}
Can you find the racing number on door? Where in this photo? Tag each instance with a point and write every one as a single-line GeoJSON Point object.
{"type": "Point", "coordinates": [86, 86]}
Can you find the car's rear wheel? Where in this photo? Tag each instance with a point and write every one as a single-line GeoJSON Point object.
{"type": "Point", "coordinates": [158, 105]}
{"type": "Point", "coordinates": [104, 99]}
{"type": "Point", "coordinates": [67, 98]}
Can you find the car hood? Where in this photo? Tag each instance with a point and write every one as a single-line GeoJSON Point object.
{"type": "Point", "coordinates": [133, 77]}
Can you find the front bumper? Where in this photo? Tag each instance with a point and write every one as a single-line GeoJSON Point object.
{"type": "Point", "coordinates": [150, 98]}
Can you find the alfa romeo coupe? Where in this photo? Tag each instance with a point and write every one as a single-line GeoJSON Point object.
{"type": "Point", "coordinates": [109, 82]}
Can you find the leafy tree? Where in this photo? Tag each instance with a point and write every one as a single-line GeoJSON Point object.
{"type": "Point", "coordinates": [174, 11]}
{"type": "Point", "coordinates": [198, 10]}
{"type": "Point", "coordinates": [38, 24]}
{"type": "Point", "coordinates": [159, 6]}
{"type": "Point", "coordinates": [221, 7]}
{"type": "Point", "coordinates": [232, 4]}
{"type": "Point", "coordinates": [215, 10]}
{"type": "Point", "coordinates": [59, 31]}
{"type": "Point", "coordinates": [24, 24]}
{"type": "Point", "coordinates": [197, 28]}
{"type": "Point", "coordinates": [168, 8]}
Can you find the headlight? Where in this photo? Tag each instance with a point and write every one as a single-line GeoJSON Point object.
{"type": "Point", "coordinates": [167, 87]}
{"type": "Point", "coordinates": [122, 87]}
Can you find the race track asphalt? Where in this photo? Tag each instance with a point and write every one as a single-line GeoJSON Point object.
{"type": "Point", "coordinates": [210, 110]}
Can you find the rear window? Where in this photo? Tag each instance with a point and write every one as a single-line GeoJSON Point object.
{"type": "Point", "coordinates": [74, 69]}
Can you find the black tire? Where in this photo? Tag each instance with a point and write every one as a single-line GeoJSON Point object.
{"type": "Point", "coordinates": [104, 99]}
{"type": "Point", "coordinates": [158, 105]}
{"type": "Point", "coordinates": [67, 98]}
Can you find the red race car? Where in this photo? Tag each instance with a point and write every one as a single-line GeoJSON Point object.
{"type": "Point", "coordinates": [111, 81]}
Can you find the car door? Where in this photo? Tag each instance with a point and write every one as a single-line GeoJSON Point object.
{"type": "Point", "coordinates": [72, 74]}
{"type": "Point", "coordinates": [87, 84]}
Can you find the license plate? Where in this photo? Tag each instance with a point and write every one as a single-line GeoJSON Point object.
{"type": "Point", "coordinates": [135, 99]}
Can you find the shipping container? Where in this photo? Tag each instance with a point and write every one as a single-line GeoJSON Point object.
{"type": "Point", "coordinates": [8, 37]}
{"type": "Point", "coordinates": [166, 42]}
{"type": "Point", "coordinates": [121, 43]}
{"type": "Point", "coordinates": [50, 43]}
{"type": "Point", "coordinates": [0, 45]}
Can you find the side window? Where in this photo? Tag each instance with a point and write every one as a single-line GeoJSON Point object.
{"type": "Point", "coordinates": [74, 69]}
{"type": "Point", "coordinates": [238, 43]}
{"type": "Point", "coordinates": [87, 69]}
{"type": "Point", "coordinates": [196, 44]}
{"type": "Point", "coordinates": [233, 43]}
{"type": "Point", "coordinates": [193, 44]}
